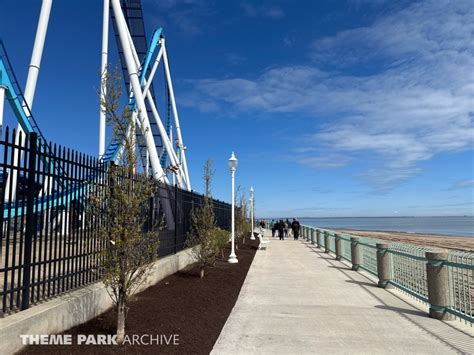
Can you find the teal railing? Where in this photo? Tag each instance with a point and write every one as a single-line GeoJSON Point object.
{"type": "Point", "coordinates": [408, 267]}
{"type": "Point", "coordinates": [461, 285]}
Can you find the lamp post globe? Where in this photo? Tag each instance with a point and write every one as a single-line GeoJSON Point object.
{"type": "Point", "coordinates": [233, 162]}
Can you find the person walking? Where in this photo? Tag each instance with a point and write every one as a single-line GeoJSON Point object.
{"type": "Point", "coordinates": [276, 228]}
{"type": "Point", "coordinates": [281, 229]}
{"type": "Point", "coordinates": [295, 227]}
{"type": "Point", "coordinates": [287, 225]}
{"type": "Point", "coordinates": [261, 225]}
{"type": "Point", "coordinates": [272, 224]}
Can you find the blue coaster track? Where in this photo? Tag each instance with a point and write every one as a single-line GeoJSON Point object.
{"type": "Point", "coordinates": [25, 118]}
{"type": "Point", "coordinates": [133, 13]}
{"type": "Point", "coordinates": [134, 16]}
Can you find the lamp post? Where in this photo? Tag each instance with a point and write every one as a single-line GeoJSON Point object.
{"type": "Point", "coordinates": [252, 237]}
{"type": "Point", "coordinates": [233, 167]}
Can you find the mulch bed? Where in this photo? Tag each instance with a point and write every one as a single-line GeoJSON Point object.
{"type": "Point", "coordinates": [195, 309]}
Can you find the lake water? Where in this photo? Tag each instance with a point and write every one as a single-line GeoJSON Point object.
{"type": "Point", "coordinates": [458, 226]}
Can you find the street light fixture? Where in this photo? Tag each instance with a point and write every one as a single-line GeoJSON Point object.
{"type": "Point", "coordinates": [252, 237]}
{"type": "Point", "coordinates": [233, 162]}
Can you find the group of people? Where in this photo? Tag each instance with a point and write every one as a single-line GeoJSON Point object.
{"type": "Point", "coordinates": [283, 228]}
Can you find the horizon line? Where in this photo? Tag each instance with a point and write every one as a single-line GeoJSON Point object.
{"type": "Point", "coordinates": [405, 216]}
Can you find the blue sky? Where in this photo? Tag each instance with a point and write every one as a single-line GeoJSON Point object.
{"type": "Point", "coordinates": [334, 108]}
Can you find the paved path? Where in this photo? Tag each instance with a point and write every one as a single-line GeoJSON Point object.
{"type": "Point", "coordinates": [296, 299]}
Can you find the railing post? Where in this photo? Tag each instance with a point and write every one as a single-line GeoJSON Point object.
{"type": "Point", "coordinates": [30, 220]}
{"type": "Point", "coordinates": [312, 235]}
{"type": "Point", "coordinates": [338, 247]}
{"type": "Point", "coordinates": [383, 265]}
{"type": "Point", "coordinates": [438, 284]}
{"type": "Point", "coordinates": [326, 242]}
{"type": "Point", "coordinates": [355, 253]}
{"type": "Point", "coordinates": [318, 238]}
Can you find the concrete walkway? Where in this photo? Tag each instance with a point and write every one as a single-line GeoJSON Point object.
{"type": "Point", "coordinates": [296, 299]}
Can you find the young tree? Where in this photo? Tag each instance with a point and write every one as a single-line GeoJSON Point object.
{"type": "Point", "coordinates": [222, 237]}
{"type": "Point", "coordinates": [202, 237]}
{"type": "Point", "coordinates": [130, 239]}
{"type": "Point", "coordinates": [242, 223]}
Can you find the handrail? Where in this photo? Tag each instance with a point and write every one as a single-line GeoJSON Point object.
{"type": "Point", "coordinates": [408, 268]}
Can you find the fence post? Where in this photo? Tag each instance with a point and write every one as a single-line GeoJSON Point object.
{"type": "Point", "coordinates": [383, 265]}
{"type": "Point", "coordinates": [326, 242]}
{"type": "Point", "coordinates": [338, 247]}
{"type": "Point", "coordinates": [318, 238]}
{"type": "Point", "coordinates": [438, 284]}
{"type": "Point", "coordinates": [30, 219]}
{"type": "Point", "coordinates": [312, 235]}
{"type": "Point", "coordinates": [307, 233]}
{"type": "Point", "coordinates": [355, 253]}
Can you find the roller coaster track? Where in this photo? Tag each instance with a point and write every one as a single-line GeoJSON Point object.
{"type": "Point", "coordinates": [134, 17]}
{"type": "Point", "coordinates": [25, 118]}
{"type": "Point", "coordinates": [133, 13]}
{"type": "Point", "coordinates": [18, 104]}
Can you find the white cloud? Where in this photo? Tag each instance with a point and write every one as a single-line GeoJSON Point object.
{"type": "Point", "coordinates": [185, 16]}
{"type": "Point", "coordinates": [289, 41]}
{"type": "Point", "coordinates": [167, 4]}
{"type": "Point", "coordinates": [270, 11]}
{"type": "Point", "coordinates": [461, 184]}
{"type": "Point", "coordinates": [424, 31]}
{"type": "Point", "coordinates": [323, 162]}
{"type": "Point", "coordinates": [284, 89]}
{"type": "Point", "coordinates": [401, 90]}
{"type": "Point", "coordinates": [358, 3]}
{"type": "Point", "coordinates": [235, 58]}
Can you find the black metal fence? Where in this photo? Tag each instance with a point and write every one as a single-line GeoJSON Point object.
{"type": "Point", "coordinates": [48, 243]}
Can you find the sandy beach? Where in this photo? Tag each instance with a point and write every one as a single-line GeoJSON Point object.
{"type": "Point", "coordinates": [430, 240]}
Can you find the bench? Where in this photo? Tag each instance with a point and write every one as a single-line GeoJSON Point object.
{"type": "Point", "coordinates": [263, 241]}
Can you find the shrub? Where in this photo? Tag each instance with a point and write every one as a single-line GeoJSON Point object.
{"type": "Point", "coordinates": [222, 238]}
